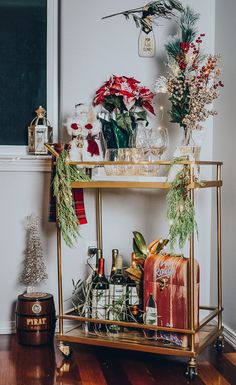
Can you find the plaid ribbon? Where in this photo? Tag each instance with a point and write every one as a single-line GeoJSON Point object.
{"type": "Point", "coordinates": [77, 195]}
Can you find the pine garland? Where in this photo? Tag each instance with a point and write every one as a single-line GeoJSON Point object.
{"type": "Point", "coordinates": [67, 219]}
{"type": "Point", "coordinates": [180, 210]}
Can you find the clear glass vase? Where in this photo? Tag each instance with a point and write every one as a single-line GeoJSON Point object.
{"type": "Point", "coordinates": [188, 146]}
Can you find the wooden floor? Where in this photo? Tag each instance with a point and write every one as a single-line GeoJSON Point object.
{"type": "Point", "coordinates": [24, 365]}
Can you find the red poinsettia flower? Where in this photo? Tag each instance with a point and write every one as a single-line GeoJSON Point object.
{"type": "Point", "coordinates": [128, 89]}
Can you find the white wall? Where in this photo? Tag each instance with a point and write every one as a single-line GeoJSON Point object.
{"type": "Point", "coordinates": [92, 50]}
{"type": "Point", "coordinates": [224, 149]}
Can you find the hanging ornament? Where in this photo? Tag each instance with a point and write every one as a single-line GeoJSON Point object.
{"type": "Point", "coordinates": [146, 40]}
{"type": "Point", "coordinates": [144, 18]}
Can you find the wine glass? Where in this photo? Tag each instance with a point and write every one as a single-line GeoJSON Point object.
{"type": "Point", "coordinates": [159, 141]}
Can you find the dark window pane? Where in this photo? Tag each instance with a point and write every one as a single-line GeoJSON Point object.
{"type": "Point", "coordinates": [23, 45]}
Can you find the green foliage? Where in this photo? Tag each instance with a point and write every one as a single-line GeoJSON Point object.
{"type": "Point", "coordinates": [173, 47]}
{"type": "Point", "coordinates": [156, 9]}
{"type": "Point", "coordinates": [141, 115]}
{"type": "Point", "coordinates": [81, 296]}
{"type": "Point", "coordinates": [139, 244]}
{"type": "Point", "coordinates": [124, 120]}
{"type": "Point", "coordinates": [188, 31]}
{"type": "Point", "coordinates": [67, 219]}
{"type": "Point", "coordinates": [187, 23]}
{"type": "Point", "coordinates": [113, 102]}
{"type": "Point", "coordinates": [180, 210]}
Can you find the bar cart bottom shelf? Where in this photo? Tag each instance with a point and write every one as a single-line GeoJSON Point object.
{"type": "Point", "coordinates": [135, 340]}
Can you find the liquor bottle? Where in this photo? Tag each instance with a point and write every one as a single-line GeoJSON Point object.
{"type": "Point", "coordinates": [115, 252]}
{"type": "Point", "coordinates": [117, 295]}
{"type": "Point", "coordinates": [146, 40]}
{"type": "Point", "coordinates": [98, 256]}
{"type": "Point", "coordinates": [100, 294]}
{"type": "Point", "coordinates": [151, 312]}
{"type": "Point", "coordinates": [133, 300]}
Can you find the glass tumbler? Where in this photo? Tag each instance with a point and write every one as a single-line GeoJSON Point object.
{"type": "Point", "coordinates": [111, 155]}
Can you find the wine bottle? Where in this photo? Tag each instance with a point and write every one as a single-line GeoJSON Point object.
{"type": "Point", "coordinates": [151, 312]}
{"type": "Point", "coordinates": [100, 294]}
{"type": "Point", "coordinates": [115, 252]}
{"type": "Point", "coordinates": [98, 256]}
{"type": "Point", "coordinates": [117, 295]}
{"type": "Point", "coordinates": [133, 300]}
{"type": "Point", "coordinates": [146, 40]}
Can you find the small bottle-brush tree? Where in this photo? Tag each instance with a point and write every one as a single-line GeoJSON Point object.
{"type": "Point", "coordinates": [34, 271]}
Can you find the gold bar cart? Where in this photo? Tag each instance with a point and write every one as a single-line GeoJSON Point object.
{"type": "Point", "coordinates": [133, 339]}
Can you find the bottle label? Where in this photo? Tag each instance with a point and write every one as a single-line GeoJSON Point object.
{"type": "Point", "coordinates": [151, 316]}
{"type": "Point", "coordinates": [133, 296]}
{"type": "Point", "coordinates": [117, 302]}
{"type": "Point", "coordinates": [99, 303]}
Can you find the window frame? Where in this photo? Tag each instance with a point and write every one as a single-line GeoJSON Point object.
{"type": "Point", "coordinates": [7, 151]}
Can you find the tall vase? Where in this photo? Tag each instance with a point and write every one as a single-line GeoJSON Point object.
{"type": "Point", "coordinates": [114, 135]}
{"type": "Point", "coordinates": [188, 147]}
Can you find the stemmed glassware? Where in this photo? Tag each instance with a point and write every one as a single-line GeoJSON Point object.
{"type": "Point", "coordinates": [150, 144]}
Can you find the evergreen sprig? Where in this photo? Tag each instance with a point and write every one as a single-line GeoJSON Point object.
{"type": "Point", "coordinates": [187, 23]}
{"type": "Point", "coordinates": [180, 210]}
{"type": "Point", "coordinates": [67, 219]}
{"type": "Point", "coordinates": [188, 32]}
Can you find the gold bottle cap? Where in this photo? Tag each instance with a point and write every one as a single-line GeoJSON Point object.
{"type": "Point", "coordinates": [119, 262]}
{"type": "Point", "coordinates": [99, 253]}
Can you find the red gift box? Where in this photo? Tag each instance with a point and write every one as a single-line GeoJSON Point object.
{"type": "Point", "coordinates": [169, 275]}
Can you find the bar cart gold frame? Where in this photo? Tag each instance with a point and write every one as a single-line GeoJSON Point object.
{"type": "Point", "coordinates": [208, 331]}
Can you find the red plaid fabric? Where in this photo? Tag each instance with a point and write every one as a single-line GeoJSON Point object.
{"type": "Point", "coordinates": [77, 194]}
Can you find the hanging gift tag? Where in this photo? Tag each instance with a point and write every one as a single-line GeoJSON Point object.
{"type": "Point", "coordinates": [146, 41]}
{"type": "Point", "coordinates": [39, 133]}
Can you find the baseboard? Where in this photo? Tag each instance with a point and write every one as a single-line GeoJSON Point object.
{"type": "Point", "coordinates": [230, 336]}
{"type": "Point", "coordinates": [7, 327]}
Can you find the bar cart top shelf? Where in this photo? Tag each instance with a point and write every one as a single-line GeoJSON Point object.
{"type": "Point", "coordinates": [149, 184]}
{"type": "Point", "coordinates": [125, 184]}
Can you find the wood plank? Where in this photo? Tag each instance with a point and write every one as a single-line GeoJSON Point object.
{"type": "Point", "coordinates": [7, 369]}
{"type": "Point", "coordinates": [210, 375]}
{"type": "Point", "coordinates": [138, 373]}
{"type": "Point", "coordinates": [170, 371]}
{"type": "Point", "coordinates": [231, 357]}
{"type": "Point", "coordinates": [112, 366]}
{"type": "Point", "coordinates": [90, 369]}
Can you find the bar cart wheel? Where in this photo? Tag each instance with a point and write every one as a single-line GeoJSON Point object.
{"type": "Point", "coordinates": [65, 350]}
{"type": "Point", "coordinates": [191, 372]}
{"type": "Point", "coordinates": [219, 344]}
